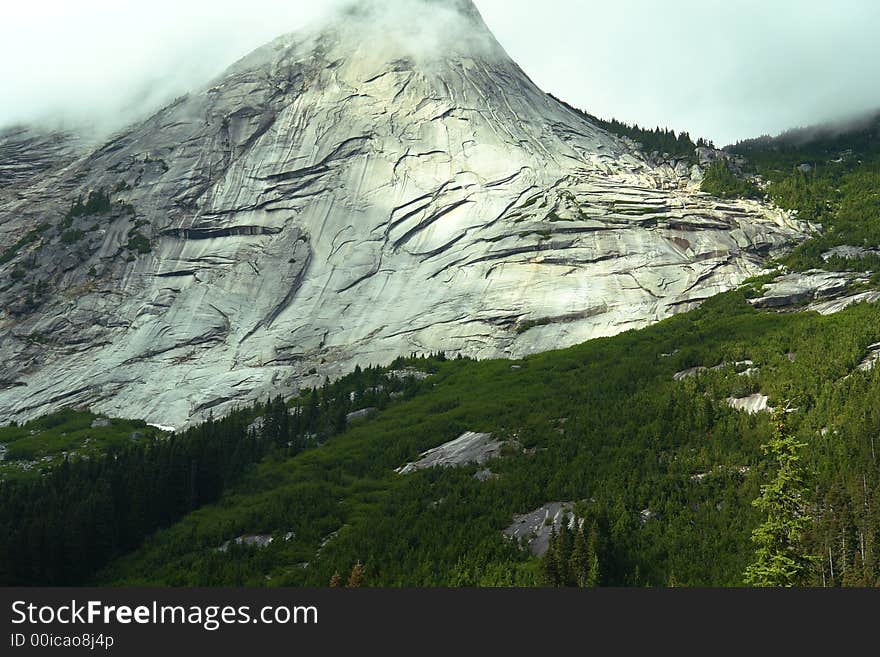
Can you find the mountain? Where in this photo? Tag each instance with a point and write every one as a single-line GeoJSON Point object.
{"type": "Point", "coordinates": [371, 188]}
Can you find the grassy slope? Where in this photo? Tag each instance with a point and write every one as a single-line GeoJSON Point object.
{"type": "Point", "coordinates": [610, 427]}
{"type": "Point", "coordinates": [43, 443]}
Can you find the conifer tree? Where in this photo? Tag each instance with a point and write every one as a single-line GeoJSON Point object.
{"type": "Point", "coordinates": [780, 556]}
{"type": "Point", "coordinates": [564, 545]}
{"type": "Point", "coordinates": [580, 558]}
{"type": "Point", "coordinates": [594, 574]}
{"type": "Point", "coordinates": [549, 566]}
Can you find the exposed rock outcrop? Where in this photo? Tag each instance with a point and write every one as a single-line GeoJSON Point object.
{"type": "Point", "coordinates": [753, 404]}
{"type": "Point", "coordinates": [361, 414]}
{"type": "Point", "coordinates": [799, 288]}
{"type": "Point", "coordinates": [468, 448]}
{"type": "Point", "coordinates": [871, 360]}
{"type": "Point", "coordinates": [820, 291]}
{"type": "Point", "coordinates": [253, 541]}
{"type": "Point", "coordinates": [849, 253]}
{"type": "Point", "coordinates": [328, 202]}
{"type": "Point", "coordinates": [536, 526]}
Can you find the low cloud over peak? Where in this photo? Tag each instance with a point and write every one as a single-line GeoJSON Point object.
{"type": "Point", "coordinates": [723, 70]}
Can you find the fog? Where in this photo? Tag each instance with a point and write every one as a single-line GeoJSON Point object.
{"type": "Point", "coordinates": [723, 70]}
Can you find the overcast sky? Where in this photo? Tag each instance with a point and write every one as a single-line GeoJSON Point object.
{"type": "Point", "coordinates": [724, 69]}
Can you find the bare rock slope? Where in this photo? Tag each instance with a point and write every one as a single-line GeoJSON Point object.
{"type": "Point", "coordinates": [348, 195]}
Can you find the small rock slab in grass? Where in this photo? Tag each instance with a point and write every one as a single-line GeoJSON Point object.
{"type": "Point", "coordinates": [468, 448]}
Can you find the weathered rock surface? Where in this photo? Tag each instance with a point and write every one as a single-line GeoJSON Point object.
{"type": "Point", "coordinates": [647, 515]}
{"type": "Point", "coordinates": [26, 154]}
{"type": "Point", "coordinates": [468, 448]}
{"type": "Point", "coordinates": [752, 404]}
{"type": "Point", "coordinates": [253, 540]}
{"type": "Point", "coordinates": [738, 367]}
{"type": "Point", "coordinates": [485, 475]}
{"type": "Point", "coordinates": [798, 288]}
{"type": "Point", "coordinates": [329, 202]}
{"type": "Point", "coordinates": [871, 359]}
{"type": "Point", "coordinates": [833, 306]}
{"type": "Point", "coordinates": [361, 414]}
{"type": "Point", "coordinates": [849, 253]}
{"type": "Point", "coordinates": [689, 373]}
{"type": "Point", "coordinates": [817, 290]}
{"type": "Point", "coordinates": [536, 526]}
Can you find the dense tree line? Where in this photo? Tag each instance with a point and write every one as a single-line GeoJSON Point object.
{"type": "Point", "coordinates": [61, 528]}
{"type": "Point", "coordinates": [572, 557]}
{"type": "Point", "coordinates": [830, 176]}
{"type": "Point", "coordinates": [652, 140]}
{"type": "Point", "coordinates": [720, 181]}
{"type": "Point", "coordinates": [664, 469]}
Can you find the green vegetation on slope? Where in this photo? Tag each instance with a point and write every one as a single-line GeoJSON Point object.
{"type": "Point", "coordinates": [829, 176]}
{"type": "Point", "coordinates": [662, 472]}
{"type": "Point", "coordinates": [847, 203]}
{"type": "Point", "coordinates": [62, 526]}
{"type": "Point", "coordinates": [720, 181]}
{"type": "Point", "coordinates": [34, 448]}
{"type": "Point", "coordinates": [32, 236]}
{"type": "Point", "coordinates": [97, 202]}
{"type": "Point", "coordinates": [660, 140]}
{"type": "Point", "coordinates": [602, 423]}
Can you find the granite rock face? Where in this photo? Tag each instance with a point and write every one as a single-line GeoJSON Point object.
{"type": "Point", "coordinates": [536, 527]}
{"type": "Point", "coordinates": [816, 290]}
{"type": "Point", "coordinates": [345, 196]}
{"type": "Point", "coordinates": [871, 360]}
{"type": "Point", "coordinates": [797, 288]}
{"type": "Point", "coordinates": [470, 447]}
{"type": "Point", "coordinates": [753, 404]}
{"type": "Point", "coordinates": [849, 253]}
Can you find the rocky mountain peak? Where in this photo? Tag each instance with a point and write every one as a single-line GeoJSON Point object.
{"type": "Point", "coordinates": [345, 196]}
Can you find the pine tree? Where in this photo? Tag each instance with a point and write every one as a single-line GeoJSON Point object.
{"type": "Point", "coordinates": [580, 558]}
{"type": "Point", "coordinates": [549, 565]}
{"type": "Point", "coordinates": [564, 545]}
{"type": "Point", "coordinates": [594, 575]}
{"type": "Point", "coordinates": [780, 558]}
{"type": "Point", "coordinates": [336, 580]}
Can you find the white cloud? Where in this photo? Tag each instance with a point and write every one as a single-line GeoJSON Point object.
{"type": "Point", "coordinates": [724, 69]}
{"type": "Point", "coordinates": [721, 69]}
{"type": "Point", "coordinates": [100, 62]}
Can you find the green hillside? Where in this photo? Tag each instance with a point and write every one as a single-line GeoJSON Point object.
{"type": "Point", "coordinates": [603, 423]}
{"type": "Point", "coordinates": [661, 468]}
{"type": "Point", "coordinates": [831, 176]}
